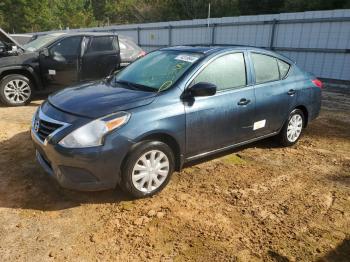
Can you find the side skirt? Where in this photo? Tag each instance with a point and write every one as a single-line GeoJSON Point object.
{"type": "Point", "coordinates": [228, 147]}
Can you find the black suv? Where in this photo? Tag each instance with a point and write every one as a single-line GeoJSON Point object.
{"type": "Point", "coordinates": [54, 61]}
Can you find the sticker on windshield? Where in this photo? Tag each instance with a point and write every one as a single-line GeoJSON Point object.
{"type": "Point", "coordinates": [187, 58]}
{"type": "Point", "coordinates": [165, 85]}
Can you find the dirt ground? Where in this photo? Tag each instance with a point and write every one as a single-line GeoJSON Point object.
{"type": "Point", "coordinates": [259, 203]}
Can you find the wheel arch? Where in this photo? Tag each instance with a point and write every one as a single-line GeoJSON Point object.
{"type": "Point", "coordinates": [167, 139]}
{"type": "Point", "coordinates": [25, 71]}
{"type": "Point", "coordinates": [305, 112]}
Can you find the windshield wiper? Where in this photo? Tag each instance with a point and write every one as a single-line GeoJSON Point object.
{"type": "Point", "coordinates": [136, 86]}
{"type": "Point", "coordinates": [128, 84]}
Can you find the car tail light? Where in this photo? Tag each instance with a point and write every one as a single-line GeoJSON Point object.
{"type": "Point", "coordinates": [318, 83]}
{"type": "Point", "coordinates": [141, 54]}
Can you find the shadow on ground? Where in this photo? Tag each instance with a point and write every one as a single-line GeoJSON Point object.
{"type": "Point", "coordinates": [340, 254]}
{"type": "Point", "coordinates": [25, 185]}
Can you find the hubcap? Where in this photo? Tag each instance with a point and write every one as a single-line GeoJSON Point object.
{"type": "Point", "coordinates": [150, 171]}
{"type": "Point", "coordinates": [17, 91]}
{"type": "Point", "coordinates": [295, 126]}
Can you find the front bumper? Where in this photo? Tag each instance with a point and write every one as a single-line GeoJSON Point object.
{"type": "Point", "coordinates": [87, 169]}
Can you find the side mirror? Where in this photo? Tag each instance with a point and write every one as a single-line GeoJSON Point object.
{"type": "Point", "coordinates": [45, 52]}
{"type": "Point", "coordinates": [203, 89]}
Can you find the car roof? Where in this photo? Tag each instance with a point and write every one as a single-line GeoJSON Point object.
{"type": "Point", "coordinates": [22, 35]}
{"type": "Point", "coordinates": [83, 34]}
{"type": "Point", "coordinates": [213, 49]}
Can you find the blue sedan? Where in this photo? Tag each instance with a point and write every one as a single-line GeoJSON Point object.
{"type": "Point", "coordinates": [174, 105]}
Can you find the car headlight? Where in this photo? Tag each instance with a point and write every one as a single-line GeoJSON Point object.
{"type": "Point", "coordinates": [92, 134]}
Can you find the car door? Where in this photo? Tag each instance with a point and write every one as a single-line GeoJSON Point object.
{"type": "Point", "coordinates": [101, 57]}
{"type": "Point", "coordinates": [226, 118]}
{"type": "Point", "coordinates": [60, 67]}
{"type": "Point", "coordinates": [273, 97]}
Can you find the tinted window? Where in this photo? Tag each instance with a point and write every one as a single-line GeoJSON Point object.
{"type": "Point", "coordinates": [284, 68]}
{"type": "Point", "coordinates": [67, 47]}
{"type": "Point", "coordinates": [102, 44]}
{"type": "Point", "coordinates": [225, 72]}
{"type": "Point", "coordinates": [265, 67]}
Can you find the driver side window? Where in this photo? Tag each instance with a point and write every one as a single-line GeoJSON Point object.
{"type": "Point", "coordinates": [66, 47]}
{"type": "Point", "coordinates": [225, 72]}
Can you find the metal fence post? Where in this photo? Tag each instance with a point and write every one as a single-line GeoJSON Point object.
{"type": "Point", "coordinates": [170, 35]}
{"type": "Point", "coordinates": [273, 32]}
{"type": "Point", "coordinates": [138, 36]}
{"type": "Point", "coordinates": [213, 34]}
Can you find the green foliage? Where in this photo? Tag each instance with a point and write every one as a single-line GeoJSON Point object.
{"type": "Point", "coordinates": [73, 14]}
{"type": "Point", "coordinates": [41, 15]}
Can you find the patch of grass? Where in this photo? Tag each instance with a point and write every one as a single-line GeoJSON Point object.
{"type": "Point", "coordinates": [127, 205]}
{"type": "Point", "coordinates": [234, 159]}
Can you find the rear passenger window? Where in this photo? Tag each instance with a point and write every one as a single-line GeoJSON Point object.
{"type": "Point", "coordinates": [225, 72]}
{"type": "Point", "coordinates": [284, 68]}
{"type": "Point", "coordinates": [266, 68]}
{"type": "Point", "coordinates": [102, 44]}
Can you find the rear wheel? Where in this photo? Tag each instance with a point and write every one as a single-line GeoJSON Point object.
{"type": "Point", "coordinates": [15, 90]}
{"type": "Point", "coordinates": [148, 169]}
{"type": "Point", "coordinates": [292, 129]}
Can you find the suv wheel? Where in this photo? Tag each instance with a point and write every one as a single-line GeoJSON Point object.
{"type": "Point", "coordinates": [148, 169]}
{"type": "Point", "coordinates": [15, 90]}
{"type": "Point", "coordinates": [292, 129]}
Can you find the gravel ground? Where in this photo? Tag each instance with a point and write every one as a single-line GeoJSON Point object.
{"type": "Point", "coordinates": [258, 203]}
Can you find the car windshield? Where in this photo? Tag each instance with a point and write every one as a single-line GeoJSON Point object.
{"type": "Point", "coordinates": [158, 70]}
{"type": "Point", "coordinates": [40, 42]}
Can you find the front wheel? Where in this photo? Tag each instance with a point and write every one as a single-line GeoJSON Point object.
{"type": "Point", "coordinates": [292, 129]}
{"type": "Point", "coordinates": [15, 90]}
{"type": "Point", "coordinates": [148, 169]}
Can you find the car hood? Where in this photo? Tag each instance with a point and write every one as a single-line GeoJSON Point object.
{"type": "Point", "coordinates": [97, 99]}
{"type": "Point", "coordinates": [5, 38]}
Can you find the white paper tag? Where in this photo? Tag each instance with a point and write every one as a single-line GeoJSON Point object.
{"type": "Point", "coordinates": [52, 72]}
{"type": "Point", "coordinates": [259, 124]}
{"type": "Point", "coordinates": [186, 58]}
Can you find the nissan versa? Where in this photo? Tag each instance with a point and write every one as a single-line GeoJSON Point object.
{"type": "Point", "coordinates": [172, 106]}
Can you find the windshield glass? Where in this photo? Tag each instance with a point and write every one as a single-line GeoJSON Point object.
{"type": "Point", "coordinates": [158, 70]}
{"type": "Point", "coordinates": [40, 42]}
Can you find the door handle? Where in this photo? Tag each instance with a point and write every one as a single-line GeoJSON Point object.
{"type": "Point", "coordinates": [243, 102]}
{"type": "Point", "coordinates": [291, 92]}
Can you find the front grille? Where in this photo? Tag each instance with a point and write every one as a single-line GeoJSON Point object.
{"type": "Point", "coordinates": [46, 128]}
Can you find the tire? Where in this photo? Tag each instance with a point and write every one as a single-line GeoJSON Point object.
{"type": "Point", "coordinates": [289, 134]}
{"type": "Point", "coordinates": [135, 180]}
{"type": "Point", "coordinates": [16, 90]}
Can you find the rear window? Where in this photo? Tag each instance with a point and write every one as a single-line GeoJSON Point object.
{"type": "Point", "coordinates": [266, 68]}
{"type": "Point", "coordinates": [103, 44]}
{"type": "Point", "coordinates": [284, 68]}
{"type": "Point", "coordinates": [122, 45]}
